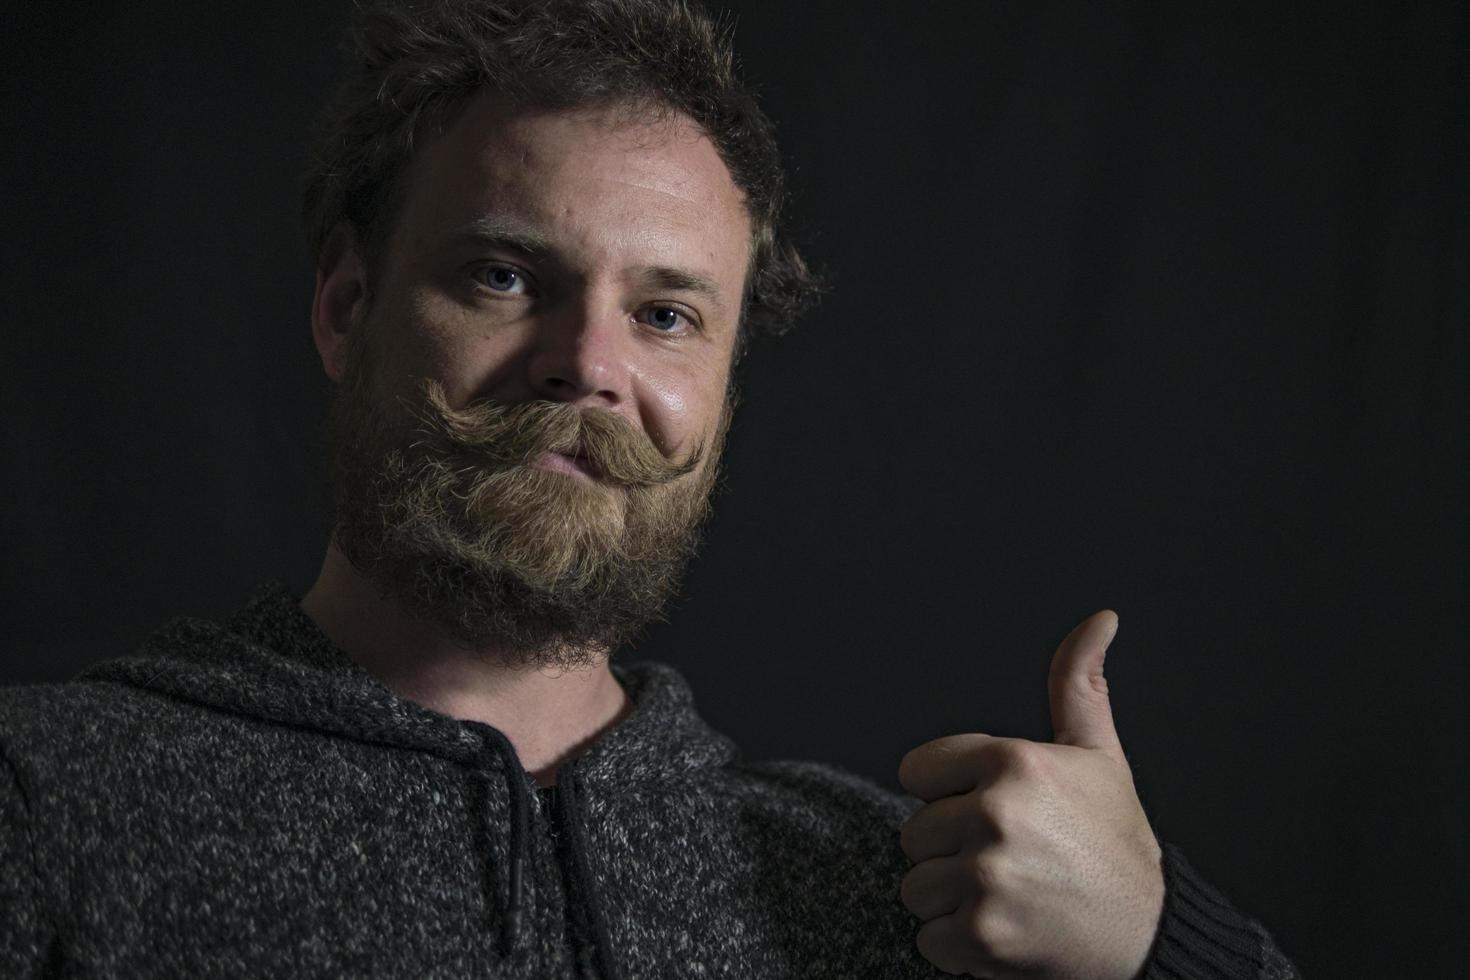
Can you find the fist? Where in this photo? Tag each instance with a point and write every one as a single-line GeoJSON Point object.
{"type": "Point", "coordinates": [1035, 859]}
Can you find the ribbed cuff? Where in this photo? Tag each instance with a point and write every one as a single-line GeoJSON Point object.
{"type": "Point", "coordinates": [1201, 936]}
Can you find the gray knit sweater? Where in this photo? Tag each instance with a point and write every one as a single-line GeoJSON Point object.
{"type": "Point", "coordinates": [241, 799]}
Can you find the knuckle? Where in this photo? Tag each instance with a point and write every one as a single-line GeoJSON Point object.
{"type": "Point", "coordinates": [994, 816]}
{"type": "Point", "coordinates": [990, 931]}
{"type": "Point", "coordinates": [1019, 757]}
{"type": "Point", "coordinates": [989, 872]}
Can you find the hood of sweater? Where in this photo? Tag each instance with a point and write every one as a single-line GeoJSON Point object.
{"type": "Point", "coordinates": [271, 662]}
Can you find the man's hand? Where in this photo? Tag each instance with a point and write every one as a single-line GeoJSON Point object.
{"type": "Point", "coordinates": [1035, 859]}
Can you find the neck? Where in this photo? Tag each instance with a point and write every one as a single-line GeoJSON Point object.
{"type": "Point", "coordinates": [550, 717]}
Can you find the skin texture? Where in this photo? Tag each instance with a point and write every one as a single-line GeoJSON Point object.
{"type": "Point", "coordinates": [1035, 859]}
{"type": "Point", "coordinates": [627, 301]}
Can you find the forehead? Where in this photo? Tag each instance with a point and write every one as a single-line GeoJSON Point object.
{"type": "Point", "coordinates": [616, 184]}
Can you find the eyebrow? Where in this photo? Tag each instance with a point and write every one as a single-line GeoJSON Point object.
{"type": "Point", "coordinates": [507, 232]}
{"type": "Point", "coordinates": [680, 280]}
{"type": "Point", "coordinates": [517, 235]}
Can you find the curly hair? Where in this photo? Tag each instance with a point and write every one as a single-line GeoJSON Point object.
{"type": "Point", "coordinates": [417, 63]}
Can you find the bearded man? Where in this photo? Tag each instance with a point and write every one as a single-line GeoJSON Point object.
{"type": "Point", "coordinates": [544, 231]}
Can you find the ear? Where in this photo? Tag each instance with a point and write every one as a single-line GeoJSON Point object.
{"type": "Point", "coordinates": [340, 301]}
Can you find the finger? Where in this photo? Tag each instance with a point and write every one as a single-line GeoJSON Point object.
{"type": "Point", "coordinates": [937, 887]}
{"type": "Point", "coordinates": [948, 766]}
{"type": "Point", "coordinates": [945, 827]}
{"type": "Point", "coordinates": [1081, 713]}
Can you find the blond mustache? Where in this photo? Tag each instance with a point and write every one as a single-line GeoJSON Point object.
{"type": "Point", "coordinates": [516, 435]}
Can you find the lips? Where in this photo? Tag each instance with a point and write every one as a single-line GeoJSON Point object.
{"type": "Point", "coordinates": [583, 462]}
{"type": "Point", "coordinates": [574, 463]}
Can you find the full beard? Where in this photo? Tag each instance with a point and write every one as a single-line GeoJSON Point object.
{"type": "Point", "coordinates": [444, 510]}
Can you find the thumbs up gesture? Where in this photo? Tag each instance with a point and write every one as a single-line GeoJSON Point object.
{"type": "Point", "coordinates": [1035, 859]}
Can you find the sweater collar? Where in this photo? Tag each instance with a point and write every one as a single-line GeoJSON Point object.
{"type": "Point", "coordinates": [270, 661]}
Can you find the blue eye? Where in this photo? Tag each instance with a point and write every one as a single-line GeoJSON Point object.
{"type": "Point", "coordinates": [665, 319]}
{"type": "Point", "coordinates": [503, 279]}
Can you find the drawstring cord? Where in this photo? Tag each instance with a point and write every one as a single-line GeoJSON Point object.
{"type": "Point", "coordinates": [520, 818]}
{"type": "Point", "coordinates": [572, 819]}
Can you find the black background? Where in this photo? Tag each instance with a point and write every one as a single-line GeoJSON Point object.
{"type": "Point", "coordinates": [1156, 310]}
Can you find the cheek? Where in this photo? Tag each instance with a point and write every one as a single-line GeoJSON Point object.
{"type": "Point", "coordinates": [442, 341]}
{"type": "Point", "coordinates": [671, 396]}
{"type": "Point", "coordinates": [680, 406]}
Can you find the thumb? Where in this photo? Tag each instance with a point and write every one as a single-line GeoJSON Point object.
{"type": "Point", "coordinates": [1081, 714]}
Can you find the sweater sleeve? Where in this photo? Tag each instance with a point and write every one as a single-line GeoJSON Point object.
{"type": "Point", "coordinates": [24, 932]}
{"type": "Point", "coordinates": [1201, 936]}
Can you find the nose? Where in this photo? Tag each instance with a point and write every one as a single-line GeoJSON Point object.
{"type": "Point", "coordinates": [580, 356]}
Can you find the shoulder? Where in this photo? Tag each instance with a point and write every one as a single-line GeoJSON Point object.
{"type": "Point", "coordinates": [63, 732]}
{"type": "Point", "coordinates": [71, 710]}
{"type": "Point", "coordinates": [61, 711]}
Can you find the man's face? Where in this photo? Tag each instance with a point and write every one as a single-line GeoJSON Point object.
{"type": "Point", "coordinates": [533, 403]}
